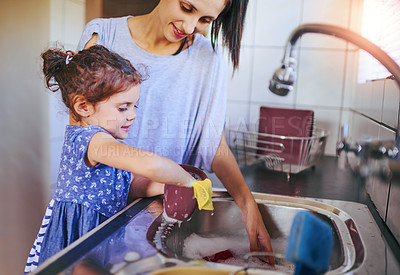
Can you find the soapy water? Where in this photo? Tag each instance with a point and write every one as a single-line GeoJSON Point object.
{"type": "Point", "coordinates": [168, 221]}
{"type": "Point", "coordinates": [165, 227]}
{"type": "Point", "coordinates": [199, 247]}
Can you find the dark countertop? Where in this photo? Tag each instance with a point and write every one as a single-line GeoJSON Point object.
{"type": "Point", "coordinates": [326, 180]}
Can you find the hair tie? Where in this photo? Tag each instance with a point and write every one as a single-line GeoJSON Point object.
{"type": "Point", "coordinates": [68, 59]}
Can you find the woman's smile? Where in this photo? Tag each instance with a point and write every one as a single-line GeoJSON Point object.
{"type": "Point", "coordinates": [179, 34]}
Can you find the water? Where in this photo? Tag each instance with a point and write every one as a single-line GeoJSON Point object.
{"type": "Point", "coordinates": [167, 224]}
{"type": "Point", "coordinates": [167, 220]}
{"type": "Point", "coordinates": [198, 247]}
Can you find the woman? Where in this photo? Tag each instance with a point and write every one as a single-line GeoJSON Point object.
{"type": "Point", "coordinates": [181, 112]}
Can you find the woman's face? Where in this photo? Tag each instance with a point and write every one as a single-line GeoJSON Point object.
{"type": "Point", "coordinates": [180, 18]}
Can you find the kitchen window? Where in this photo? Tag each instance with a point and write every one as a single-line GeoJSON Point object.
{"type": "Point", "coordinates": [381, 26]}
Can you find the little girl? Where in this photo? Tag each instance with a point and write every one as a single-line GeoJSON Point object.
{"type": "Point", "coordinates": [101, 90]}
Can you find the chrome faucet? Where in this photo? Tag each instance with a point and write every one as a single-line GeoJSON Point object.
{"type": "Point", "coordinates": [284, 77]}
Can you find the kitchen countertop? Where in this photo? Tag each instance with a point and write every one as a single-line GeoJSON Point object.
{"type": "Point", "coordinates": [326, 181]}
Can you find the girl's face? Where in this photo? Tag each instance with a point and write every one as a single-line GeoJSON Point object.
{"type": "Point", "coordinates": [180, 18]}
{"type": "Point", "coordinates": [117, 113]}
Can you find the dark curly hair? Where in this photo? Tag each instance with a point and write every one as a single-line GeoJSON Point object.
{"type": "Point", "coordinates": [95, 73]}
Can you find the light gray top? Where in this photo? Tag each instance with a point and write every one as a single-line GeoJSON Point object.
{"type": "Point", "coordinates": [182, 104]}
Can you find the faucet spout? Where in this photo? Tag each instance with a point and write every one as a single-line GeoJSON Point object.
{"type": "Point", "coordinates": [284, 77]}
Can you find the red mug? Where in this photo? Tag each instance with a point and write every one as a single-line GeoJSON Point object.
{"type": "Point", "coordinates": [179, 201]}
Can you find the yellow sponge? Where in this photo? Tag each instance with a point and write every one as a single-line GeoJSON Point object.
{"type": "Point", "coordinates": [203, 193]}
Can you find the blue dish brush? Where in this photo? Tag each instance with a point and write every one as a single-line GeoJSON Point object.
{"type": "Point", "coordinates": [310, 244]}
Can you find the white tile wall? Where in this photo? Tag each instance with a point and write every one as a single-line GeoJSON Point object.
{"type": "Point", "coordinates": [362, 129]}
{"type": "Point", "coordinates": [335, 12]}
{"type": "Point", "coordinates": [360, 97]}
{"type": "Point", "coordinates": [351, 71]}
{"type": "Point", "coordinates": [324, 121]}
{"type": "Point", "coordinates": [320, 78]}
{"type": "Point", "coordinates": [345, 119]}
{"type": "Point", "coordinates": [369, 99]}
{"type": "Point", "coordinates": [248, 32]}
{"type": "Point", "coordinates": [238, 114]}
{"type": "Point", "coordinates": [275, 20]}
{"type": "Point", "coordinates": [238, 84]}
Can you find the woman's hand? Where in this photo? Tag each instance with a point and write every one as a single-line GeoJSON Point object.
{"type": "Point", "coordinates": [258, 234]}
{"type": "Point", "coordinates": [227, 170]}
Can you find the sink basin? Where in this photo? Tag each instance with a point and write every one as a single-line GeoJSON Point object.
{"type": "Point", "coordinates": [278, 213]}
{"type": "Point", "coordinates": [140, 229]}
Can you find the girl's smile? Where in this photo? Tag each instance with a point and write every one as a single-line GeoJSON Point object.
{"type": "Point", "coordinates": [115, 114]}
{"type": "Point", "coordinates": [126, 128]}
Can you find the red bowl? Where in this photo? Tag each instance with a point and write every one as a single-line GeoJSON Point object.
{"type": "Point", "coordinates": [179, 201]}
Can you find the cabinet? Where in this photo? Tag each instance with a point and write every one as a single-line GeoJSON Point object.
{"type": "Point", "coordinates": [115, 8]}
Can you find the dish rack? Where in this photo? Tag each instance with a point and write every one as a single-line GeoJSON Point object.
{"type": "Point", "coordinates": [280, 153]}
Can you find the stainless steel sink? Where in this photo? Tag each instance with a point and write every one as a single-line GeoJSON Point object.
{"type": "Point", "coordinates": [278, 213]}
{"type": "Point", "coordinates": [140, 229]}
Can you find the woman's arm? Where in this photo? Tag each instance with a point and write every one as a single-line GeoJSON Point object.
{"type": "Point", "coordinates": [227, 170]}
{"type": "Point", "coordinates": [106, 149]}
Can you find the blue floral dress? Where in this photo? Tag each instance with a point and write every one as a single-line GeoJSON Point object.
{"type": "Point", "coordinates": [84, 197]}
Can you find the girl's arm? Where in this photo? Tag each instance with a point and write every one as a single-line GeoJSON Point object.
{"type": "Point", "coordinates": [142, 187]}
{"type": "Point", "coordinates": [106, 149]}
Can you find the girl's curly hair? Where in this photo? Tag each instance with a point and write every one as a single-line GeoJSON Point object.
{"type": "Point", "coordinates": [95, 73]}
